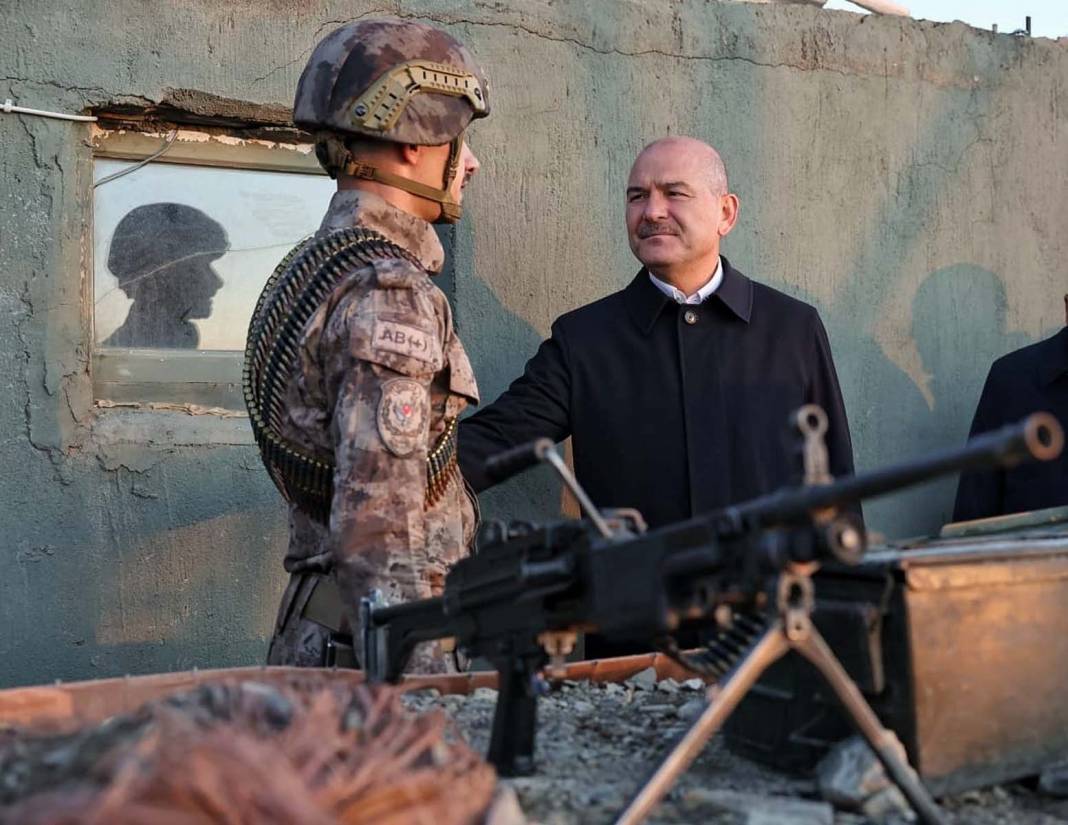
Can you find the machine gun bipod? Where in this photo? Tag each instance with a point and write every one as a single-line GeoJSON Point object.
{"type": "Point", "coordinates": [791, 629]}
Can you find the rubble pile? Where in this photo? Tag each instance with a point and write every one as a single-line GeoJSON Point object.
{"type": "Point", "coordinates": [247, 752]}
{"type": "Point", "coordinates": [597, 743]}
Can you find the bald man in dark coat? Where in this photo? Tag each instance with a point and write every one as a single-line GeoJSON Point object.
{"type": "Point", "coordinates": [676, 391]}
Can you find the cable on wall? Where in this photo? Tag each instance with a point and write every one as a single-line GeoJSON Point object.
{"type": "Point", "coordinates": [10, 108]}
{"type": "Point", "coordinates": [168, 142]}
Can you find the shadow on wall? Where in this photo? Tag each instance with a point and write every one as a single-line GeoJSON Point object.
{"type": "Point", "coordinates": [161, 254]}
{"type": "Point", "coordinates": [499, 343]}
{"type": "Point", "coordinates": [170, 602]}
{"type": "Point", "coordinates": [913, 200]}
{"type": "Point", "coordinates": [151, 580]}
{"type": "Point", "coordinates": [958, 324]}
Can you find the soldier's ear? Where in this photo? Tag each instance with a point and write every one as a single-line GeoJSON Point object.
{"type": "Point", "coordinates": [410, 153]}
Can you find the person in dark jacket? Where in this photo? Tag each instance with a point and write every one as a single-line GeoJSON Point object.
{"type": "Point", "coordinates": [676, 391]}
{"type": "Point", "coordinates": [1031, 379]}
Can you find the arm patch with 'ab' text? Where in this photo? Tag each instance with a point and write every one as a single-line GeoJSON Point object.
{"type": "Point", "coordinates": [403, 339]}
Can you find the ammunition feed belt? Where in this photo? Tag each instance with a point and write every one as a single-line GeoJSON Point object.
{"type": "Point", "coordinates": [721, 654]}
{"type": "Point", "coordinates": [441, 465]}
{"type": "Point", "coordinates": [305, 278]}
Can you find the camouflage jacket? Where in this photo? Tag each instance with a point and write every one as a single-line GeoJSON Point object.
{"type": "Point", "coordinates": [381, 373]}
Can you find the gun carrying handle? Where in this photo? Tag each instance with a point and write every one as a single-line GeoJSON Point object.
{"type": "Point", "coordinates": [811, 422]}
{"type": "Point", "coordinates": [510, 462]}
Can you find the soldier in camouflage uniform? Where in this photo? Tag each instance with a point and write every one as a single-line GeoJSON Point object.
{"type": "Point", "coordinates": [380, 375]}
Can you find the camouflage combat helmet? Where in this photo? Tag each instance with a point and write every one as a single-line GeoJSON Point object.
{"type": "Point", "coordinates": [394, 80]}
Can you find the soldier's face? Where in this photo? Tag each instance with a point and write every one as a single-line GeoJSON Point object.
{"type": "Point", "coordinates": [465, 171]}
{"type": "Point", "coordinates": [430, 163]}
{"type": "Point", "coordinates": [673, 217]}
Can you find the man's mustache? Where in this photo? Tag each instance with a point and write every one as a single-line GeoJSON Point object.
{"type": "Point", "coordinates": [646, 230]}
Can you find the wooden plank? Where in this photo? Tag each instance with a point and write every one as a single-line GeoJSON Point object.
{"type": "Point", "coordinates": [998, 524]}
{"type": "Point", "coordinates": [232, 153]}
{"type": "Point", "coordinates": [63, 707]}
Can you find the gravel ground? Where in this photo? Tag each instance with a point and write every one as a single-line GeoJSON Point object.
{"type": "Point", "coordinates": [597, 743]}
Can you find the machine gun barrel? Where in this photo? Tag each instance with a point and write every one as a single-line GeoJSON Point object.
{"type": "Point", "coordinates": [1039, 437]}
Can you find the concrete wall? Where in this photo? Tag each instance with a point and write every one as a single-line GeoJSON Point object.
{"type": "Point", "coordinates": [905, 177]}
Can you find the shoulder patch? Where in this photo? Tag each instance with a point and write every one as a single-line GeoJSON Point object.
{"type": "Point", "coordinates": [403, 415]}
{"type": "Point", "coordinates": [403, 339]}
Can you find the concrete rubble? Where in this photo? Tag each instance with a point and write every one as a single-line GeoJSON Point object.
{"type": "Point", "coordinates": [852, 778]}
{"type": "Point", "coordinates": [1054, 780]}
{"type": "Point", "coordinates": [589, 763]}
{"type": "Point", "coordinates": [755, 809]}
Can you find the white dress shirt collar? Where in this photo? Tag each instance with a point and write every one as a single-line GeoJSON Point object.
{"type": "Point", "coordinates": [677, 295]}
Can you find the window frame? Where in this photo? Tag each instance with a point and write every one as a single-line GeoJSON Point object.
{"type": "Point", "coordinates": [146, 376]}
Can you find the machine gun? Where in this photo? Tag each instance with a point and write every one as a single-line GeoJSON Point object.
{"type": "Point", "coordinates": [743, 573]}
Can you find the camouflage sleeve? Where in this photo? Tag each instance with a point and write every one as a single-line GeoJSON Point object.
{"type": "Point", "coordinates": [386, 354]}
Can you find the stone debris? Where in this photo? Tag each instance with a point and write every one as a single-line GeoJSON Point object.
{"type": "Point", "coordinates": [851, 777]}
{"type": "Point", "coordinates": [1054, 780]}
{"type": "Point", "coordinates": [689, 711]}
{"type": "Point", "coordinates": [752, 809]}
{"type": "Point", "coordinates": [643, 680]}
{"type": "Point", "coordinates": [589, 764]}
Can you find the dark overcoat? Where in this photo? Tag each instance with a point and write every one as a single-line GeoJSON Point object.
{"type": "Point", "coordinates": [673, 409]}
{"type": "Point", "coordinates": [1028, 380]}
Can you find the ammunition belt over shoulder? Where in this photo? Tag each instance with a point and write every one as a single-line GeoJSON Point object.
{"type": "Point", "coordinates": [306, 278]}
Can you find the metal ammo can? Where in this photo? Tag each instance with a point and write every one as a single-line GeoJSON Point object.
{"type": "Point", "coordinates": [960, 644]}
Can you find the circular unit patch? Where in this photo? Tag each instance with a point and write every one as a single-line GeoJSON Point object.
{"type": "Point", "coordinates": [403, 415]}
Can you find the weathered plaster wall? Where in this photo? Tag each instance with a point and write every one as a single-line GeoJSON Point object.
{"type": "Point", "coordinates": [907, 178]}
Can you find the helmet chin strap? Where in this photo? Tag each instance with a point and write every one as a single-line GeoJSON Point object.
{"type": "Point", "coordinates": [450, 209]}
